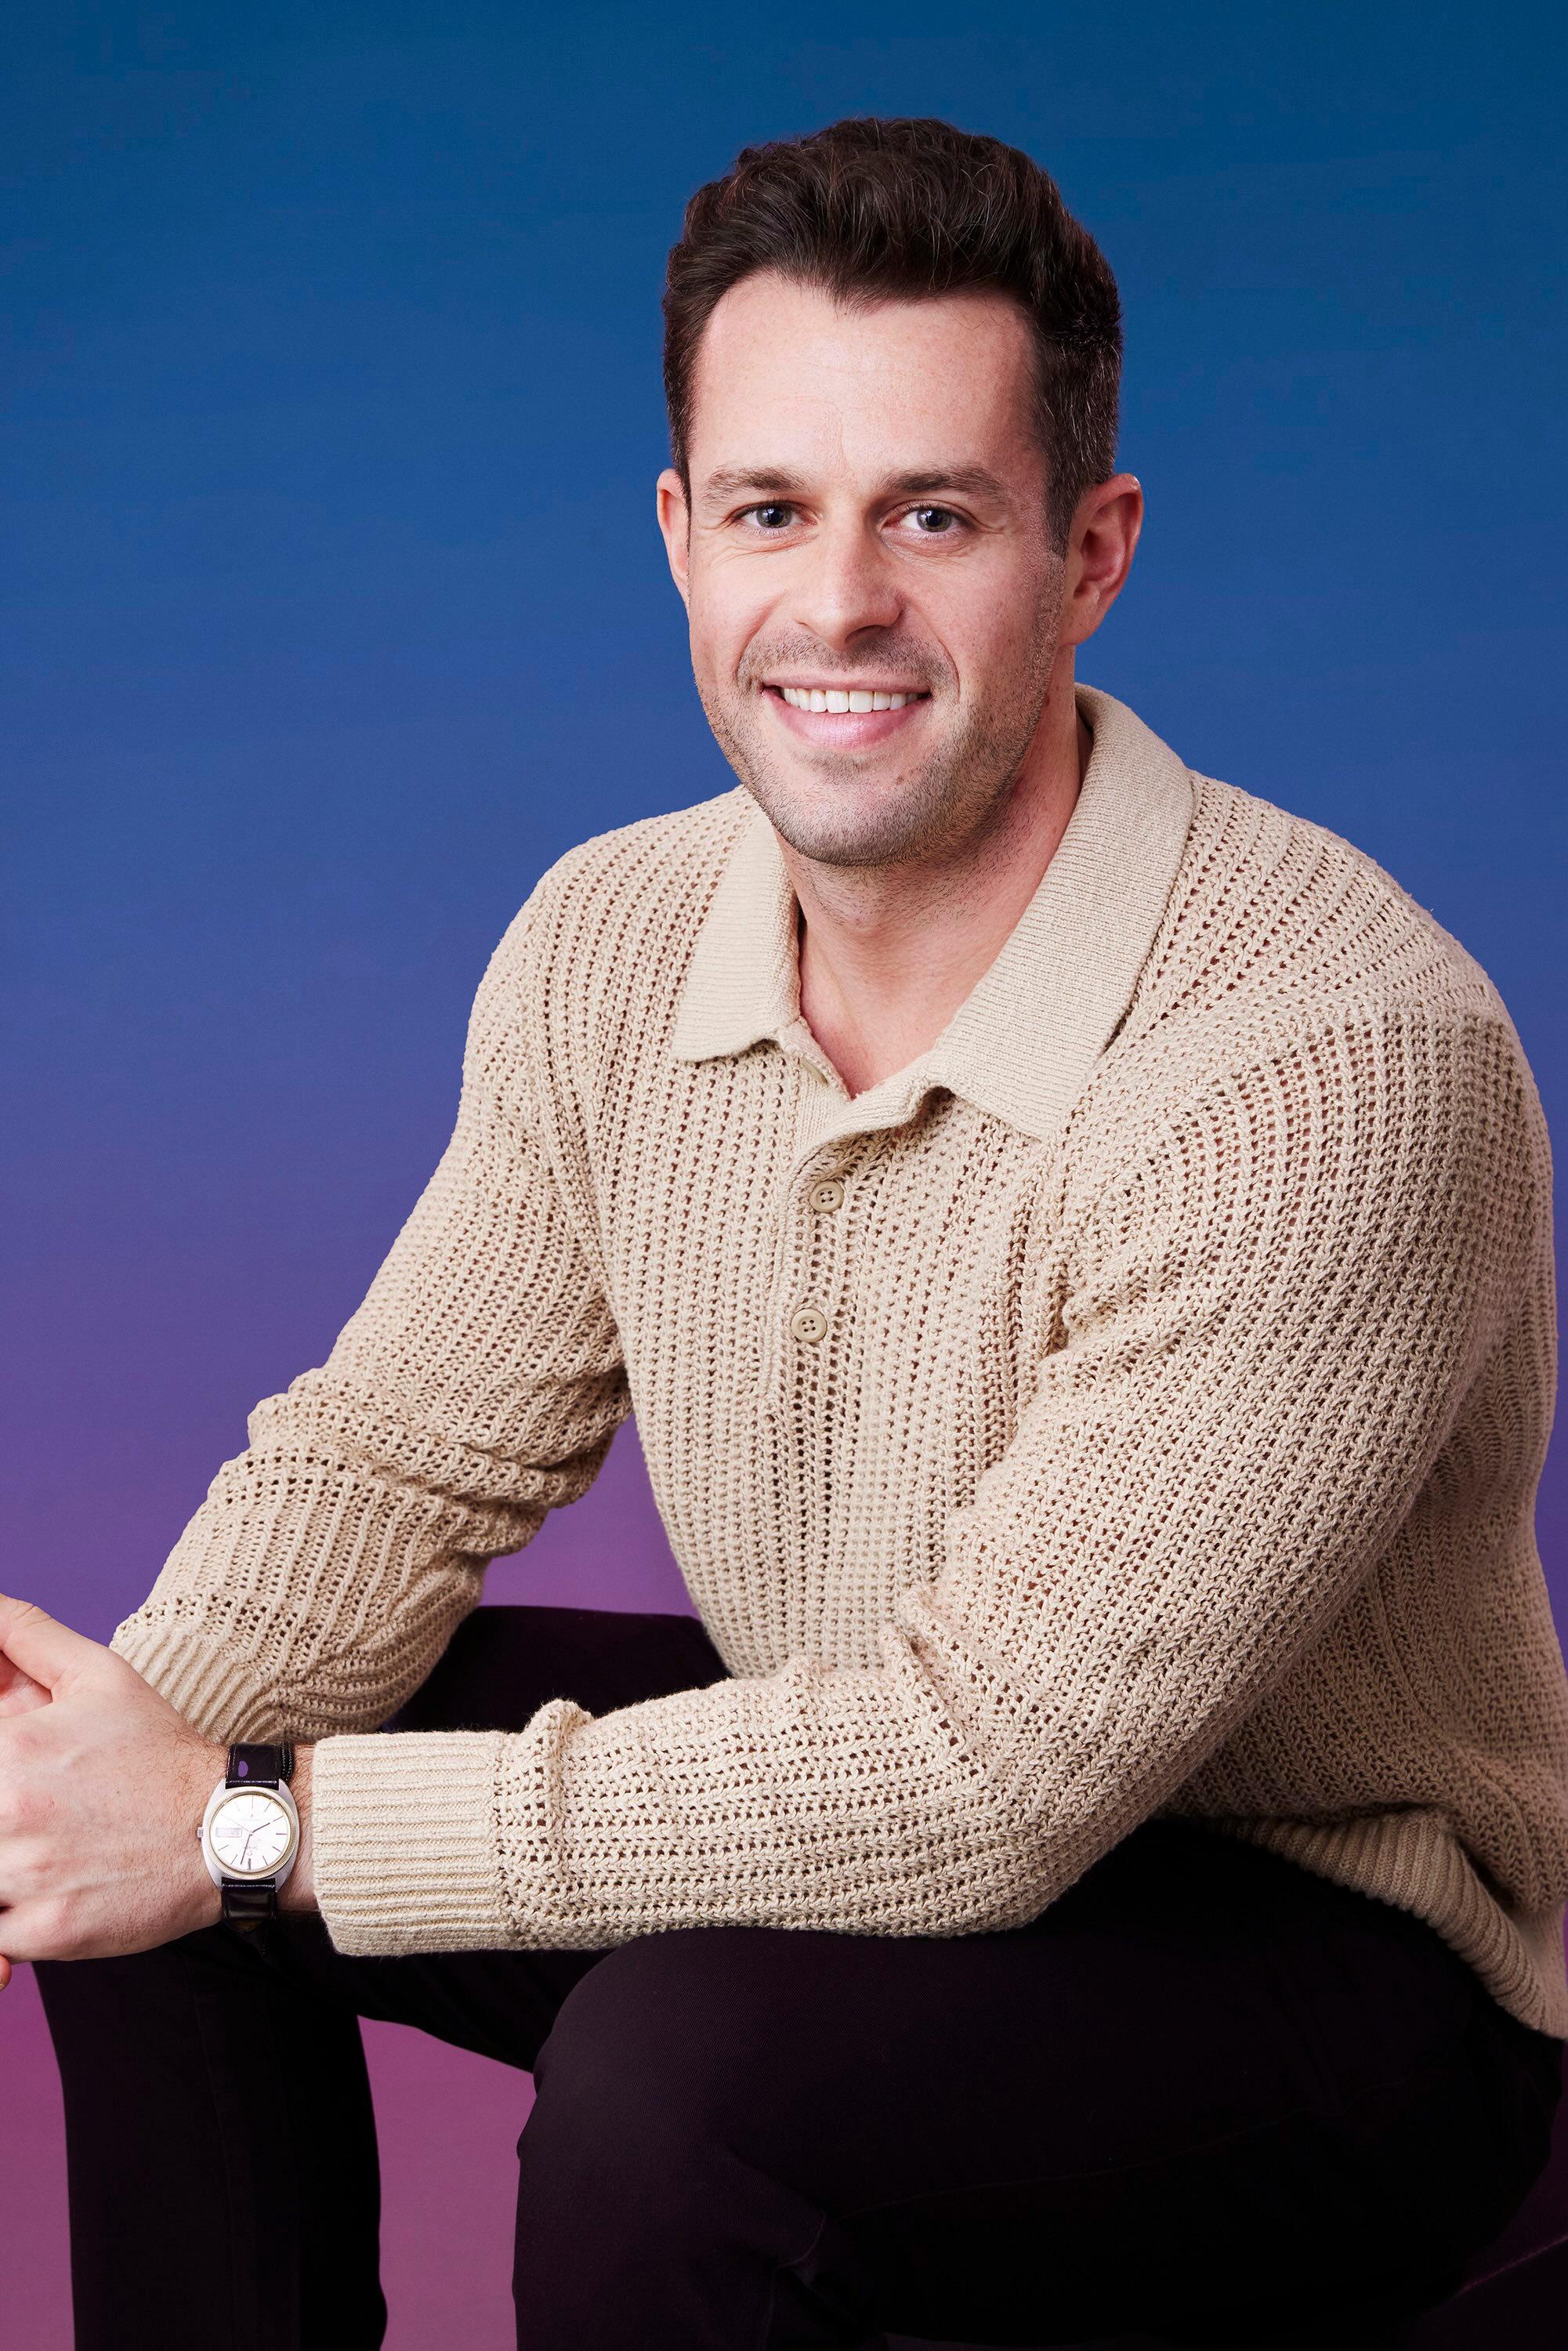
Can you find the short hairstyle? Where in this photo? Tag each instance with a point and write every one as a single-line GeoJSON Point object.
{"type": "Point", "coordinates": [877, 207]}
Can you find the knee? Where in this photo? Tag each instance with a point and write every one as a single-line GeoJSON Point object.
{"type": "Point", "coordinates": [653, 2207]}
{"type": "Point", "coordinates": [86, 2002]}
{"type": "Point", "coordinates": [646, 2039]}
{"type": "Point", "coordinates": [657, 2058]}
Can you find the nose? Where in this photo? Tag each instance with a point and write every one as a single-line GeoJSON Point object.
{"type": "Point", "coordinates": [845, 583]}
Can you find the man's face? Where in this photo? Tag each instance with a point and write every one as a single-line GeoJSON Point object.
{"type": "Point", "coordinates": [867, 519]}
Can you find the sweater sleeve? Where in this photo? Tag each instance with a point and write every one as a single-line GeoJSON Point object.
{"type": "Point", "coordinates": [477, 1386]}
{"type": "Point", "coordinates": [1274, 1312]}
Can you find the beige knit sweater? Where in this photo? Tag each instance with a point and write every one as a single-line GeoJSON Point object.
{"type": "Point", "coordinates": [1133, 1407]}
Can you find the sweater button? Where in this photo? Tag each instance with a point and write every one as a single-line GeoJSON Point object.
{"type": "Point", "coordinates": [827, 1194]}
{"type": "Point", "coordinates": [809, 1324]}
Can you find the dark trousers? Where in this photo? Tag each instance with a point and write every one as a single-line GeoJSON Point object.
{"type": "Point", "coordinates": [1204, 2093]}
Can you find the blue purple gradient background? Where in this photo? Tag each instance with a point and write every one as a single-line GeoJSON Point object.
{"type": "Point", "coordinates": [335, 610]}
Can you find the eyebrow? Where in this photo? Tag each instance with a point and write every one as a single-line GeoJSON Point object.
{"type": "Point", "coordinates": [964, 481]}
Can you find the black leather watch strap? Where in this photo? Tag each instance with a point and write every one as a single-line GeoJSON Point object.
{"type": "Point", "coordinates": [252, 1764]}
{"type": "Point", "coordinates": [248, 1901]}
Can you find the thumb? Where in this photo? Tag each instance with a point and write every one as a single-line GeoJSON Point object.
{"type": "Point", "coordinates": [46, 1650]}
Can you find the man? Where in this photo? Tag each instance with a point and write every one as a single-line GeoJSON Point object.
{"type": "Point", "coordinates": [1075, 1238]}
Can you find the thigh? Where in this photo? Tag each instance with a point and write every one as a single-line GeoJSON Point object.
{"type": "Point", "coordinates": [1202, 2081]}
{"type": "Point", "coordinates": [502, 1663]}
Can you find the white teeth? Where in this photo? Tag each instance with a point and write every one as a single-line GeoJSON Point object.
{"type": "Point", "coordinates": [857, 698]}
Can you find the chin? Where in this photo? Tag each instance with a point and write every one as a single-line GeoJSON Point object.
{"type": "Point", "coordinates": [866, 826]}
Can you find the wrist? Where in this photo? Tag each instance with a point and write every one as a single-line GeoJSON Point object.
{"type": "Point", "coordinates": [298, 1892]}
{"type": "Point", "coordinates": [283, 1879]}
{"type": "Point", "coordinates": [204, 1763]}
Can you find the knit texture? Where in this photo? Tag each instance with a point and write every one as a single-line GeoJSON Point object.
{"type": "Point", "coordinates": [1133, 1407]}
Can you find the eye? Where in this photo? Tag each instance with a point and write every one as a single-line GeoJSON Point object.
{"type": "Point", "coordinates": [933, 522]}
{"type": "Point", "coordinates": [774, 516]}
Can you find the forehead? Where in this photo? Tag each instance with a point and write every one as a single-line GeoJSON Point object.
{"type": "Point", "coordinates": [785, 373]}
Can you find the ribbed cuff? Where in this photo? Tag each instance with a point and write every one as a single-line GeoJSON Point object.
{"type": "Point", "coordinates": [219, 1694]}
{"type": "Point", "coordinates": [441, 1840]}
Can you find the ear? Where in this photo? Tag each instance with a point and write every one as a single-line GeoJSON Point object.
{"type": "Point", "coordinates": [675, 523]}
{"type": "Point", "coordinates": [1104, 538]}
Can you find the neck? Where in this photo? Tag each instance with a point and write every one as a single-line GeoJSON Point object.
{"type": "Point", "coordinates": [888, 953]}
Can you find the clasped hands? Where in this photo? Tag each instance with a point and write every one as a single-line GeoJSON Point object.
{"type": "Point", "coordinates": [102, 1788]}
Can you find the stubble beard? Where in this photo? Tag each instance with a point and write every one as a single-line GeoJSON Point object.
{"type": "Point", "coordinates": [938, 804]}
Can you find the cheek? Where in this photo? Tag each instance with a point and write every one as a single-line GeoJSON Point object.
{"type": "Point", "coordinates": [725, 615]}
{"type": "Point", "coordinates": [997, 625]}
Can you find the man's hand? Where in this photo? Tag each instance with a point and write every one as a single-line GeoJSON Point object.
{"type": "Point", "coordinates": [102, 1788]}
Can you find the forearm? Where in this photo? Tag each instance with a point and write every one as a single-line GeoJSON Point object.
{"type": "Point", "coordinates": [330, 1564]}
{"type": "Point", "coordinates": [836, 1799]}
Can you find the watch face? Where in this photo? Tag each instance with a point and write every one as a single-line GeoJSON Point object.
{"type": "Point", "coordinates": [250, 1833]}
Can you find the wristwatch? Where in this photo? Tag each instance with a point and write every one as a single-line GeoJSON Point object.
{"type": "Point", "coordinates": [250, 1833]}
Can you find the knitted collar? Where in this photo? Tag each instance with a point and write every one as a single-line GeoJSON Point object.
{"type": "Point", "coordinates": [1024, 1040]}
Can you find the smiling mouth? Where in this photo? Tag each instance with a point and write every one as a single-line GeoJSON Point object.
{"type": "Point", "coordinates": [844, 700]}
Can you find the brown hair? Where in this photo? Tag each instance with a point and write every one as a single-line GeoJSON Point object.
{"type": "Point", "coordinates": [875, 207]}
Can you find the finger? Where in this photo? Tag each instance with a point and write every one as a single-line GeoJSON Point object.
{"type": "Point", "coordinates": [19, 1693]}
{"type": "Point", "coordinates": [4, 1972]}
{"type": "Point", "coordinates": [46, 1649]}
